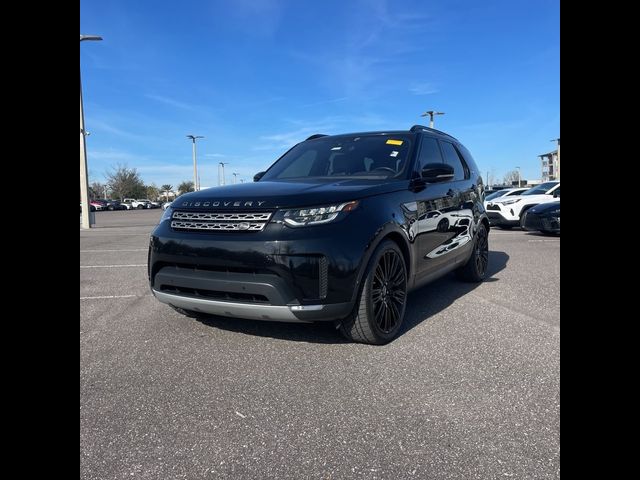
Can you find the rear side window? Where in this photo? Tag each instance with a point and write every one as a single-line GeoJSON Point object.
{"type": "Point", "coordinates": [452, 158]}
{"type": "Point", "coordinates": [429, 152]}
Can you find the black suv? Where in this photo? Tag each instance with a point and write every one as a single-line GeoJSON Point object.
{"type": "Point", "coordinates": [338, 229]}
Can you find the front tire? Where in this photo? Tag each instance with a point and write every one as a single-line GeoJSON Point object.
{"type": "Point", "coordinates": [475, 270]}
{"type": "Point", "coordinates": [381, 303]}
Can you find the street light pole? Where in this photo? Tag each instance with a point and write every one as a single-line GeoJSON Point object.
{"type": "Point", "coordinates": [84, 178]}
{"type": "Point", "coordinates": [193, 138]}
{"type": "Point", "coordinates": [235, 178]}
{"type": "Point", "coordinates": [222, 164]}
{"type": "Point", "coordinates": [431, 113]}
{"type": "Point", "coordinates": [518, 168]}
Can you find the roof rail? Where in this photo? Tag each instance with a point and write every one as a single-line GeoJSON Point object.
{"type": "Point", "coordinates": [316, 135]}
{"type": "Point", "coordinates": [417, 128]}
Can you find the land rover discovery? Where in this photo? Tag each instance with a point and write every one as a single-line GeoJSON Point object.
{"type": "Point", "coordinates": [340, 228]}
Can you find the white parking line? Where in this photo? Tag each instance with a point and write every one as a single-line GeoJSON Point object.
{"type": "Point", "coordinates": [113, 266]}
{"type": "Point", "coordinates": [115, 296]}
{"type": "Point", "coordinates": [123, 250]}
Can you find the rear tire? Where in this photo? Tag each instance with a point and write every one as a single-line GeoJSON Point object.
{"type": "Point", "coordinates": [381, 304]}
{"type": "Point", "coordinates": [475, 270]}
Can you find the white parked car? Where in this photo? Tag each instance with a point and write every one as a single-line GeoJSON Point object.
{"type": "Point", "coordinates": [505, 192]}
{"type": "Point", "coordinates": [148, 203]}
{"type": "Point", "coordinates": [135, 203]}
{"type": "Point", "coordinates": [505, 212]}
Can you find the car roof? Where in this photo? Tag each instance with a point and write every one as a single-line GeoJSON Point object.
{"type": "Point", "coordinates": [412, 131]}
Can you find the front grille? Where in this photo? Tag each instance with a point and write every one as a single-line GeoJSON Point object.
{"type": "Point", "coordinates": [220, 221]}
{"type": "Point", "coordinates": [533, 222]}
{"type": "Point", "coordinates": [264, 216]}
{"type": "Point", "coordinates": [493, 207]}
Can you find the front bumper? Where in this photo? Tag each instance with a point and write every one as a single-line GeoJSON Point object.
{"type": "Point", "coordinates": [542, 223]}
{"type": "Point", "coordinates": [277, 313]}
{"type": "Point", "coordinates": [279, 274]}
{"type": "Point", "coordinates": [497, 218]}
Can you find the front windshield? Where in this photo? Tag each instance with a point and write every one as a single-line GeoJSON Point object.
{"type": "Point", "coordinates": [499, 193]}
{"type": "Point", "coordinates": [540, 189]}
{"type": "Point", "coordinates": [361, 156]}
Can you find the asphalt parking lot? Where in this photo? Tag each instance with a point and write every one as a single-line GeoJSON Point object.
{"type": "Point", "coordinates": [470, 389]}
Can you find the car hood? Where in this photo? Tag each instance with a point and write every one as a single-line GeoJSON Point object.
{"type": "Point", "coordinates": [527, 198]}
{"type": "Point", "coordinates": [287, 194]}
{"type": "Point", "coordinates": [545, 207]}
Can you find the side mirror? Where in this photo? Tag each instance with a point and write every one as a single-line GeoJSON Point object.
{"type": "Point", "coordinates": [258, 176]}
{"type": "Point", "coordinates": [556, 193]}
{"type": "Point", "coordinates": [437, 172]}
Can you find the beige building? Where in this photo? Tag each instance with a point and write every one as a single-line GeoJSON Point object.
{"type": "Point", "coordinates": [551, 165]}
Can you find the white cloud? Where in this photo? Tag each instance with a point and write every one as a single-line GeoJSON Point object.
{"type": "Point", "coordinates": [423, 89]}
{"type": "Point", "coordinates": [170, 101]}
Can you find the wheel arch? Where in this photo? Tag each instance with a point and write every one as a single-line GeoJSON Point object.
{"type": "Point", "coordinates": [393, 233]}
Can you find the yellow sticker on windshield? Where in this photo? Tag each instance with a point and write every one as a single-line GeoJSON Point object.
{"type": "Point", "coordinates": [394, 142]}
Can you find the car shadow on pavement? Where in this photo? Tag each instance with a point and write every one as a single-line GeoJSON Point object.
{"type": "Point", "coordinates": [321, 332]}
{"type": "Point", "coordinates": [431, 299]}
{"type": "Point", "coordinates": [533, 233]}
{"type": "Point", "coordinates": [423, 304]}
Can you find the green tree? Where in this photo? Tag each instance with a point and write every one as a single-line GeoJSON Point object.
{"type": "Point", "coordinates": [166, 188]}
{"type": "Point", "coordinates": [186, 186]}
{"type": "Point", "coordinates": [153, 192]}
{"type": "Point", "coordinates": [125, 182]}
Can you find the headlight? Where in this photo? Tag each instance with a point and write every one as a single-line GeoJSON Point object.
{"type": "Point", "coordinates": [317, 215]}
{"type": "Point", "coordinates": [554, 212]}
{"type": "Point", "coordinates": [166, 215]}
{"type": "Point", "coordinates": [509, 202]}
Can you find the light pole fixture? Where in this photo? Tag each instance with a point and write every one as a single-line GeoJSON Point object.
{"type": "Point", "coordinates": [84, 178]}
{"type": "Point", "coordinates": [193, 138]}
{"type": "Point", "coordinates": [221, 178]}
{"type": "Point", "coordinates": [431, 113]}
{"type": "Point", "coordinates": [235, 178]}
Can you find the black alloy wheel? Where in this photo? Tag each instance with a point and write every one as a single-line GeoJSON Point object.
{"type": "Point", "coordinates": [382, 298]}
{"type": "Point", "coordinates": [482, 252]}
{"type": "Point", "coordinates": [388, 291]}
{"type": "Point", "coordinates": [475, 270]}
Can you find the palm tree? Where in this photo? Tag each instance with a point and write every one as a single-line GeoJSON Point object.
{"type": "Point", "coordinates": [166, 189]}
{"type": "Point", "coordinates": [186, 186]}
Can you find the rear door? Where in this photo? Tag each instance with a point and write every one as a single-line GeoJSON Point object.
{"type": "Point", "coordinates": [438, 207]}
{"type": "Point", "coordinates": [461, 221]}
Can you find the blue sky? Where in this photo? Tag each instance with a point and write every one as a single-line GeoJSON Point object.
{"type": "Point", "coordinates": [257, 76]}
